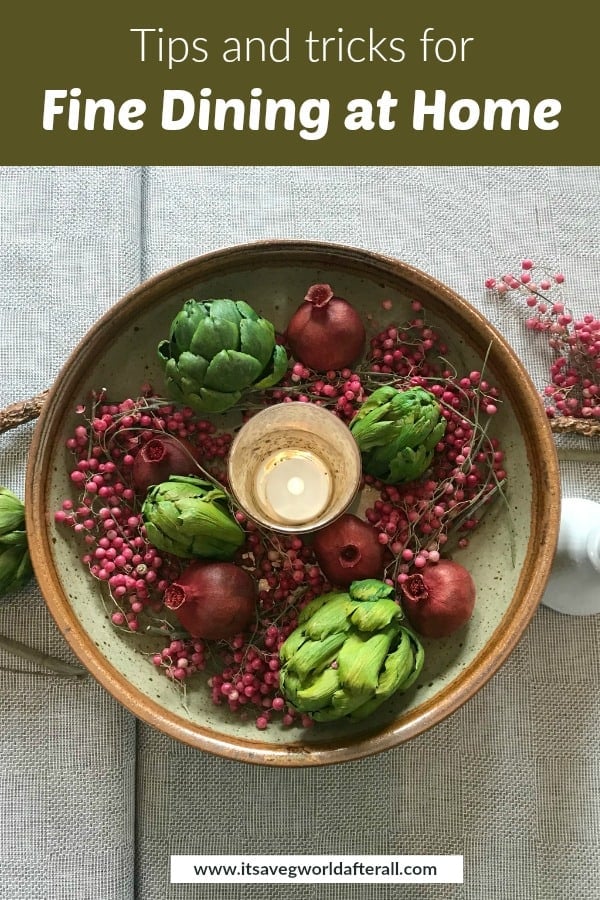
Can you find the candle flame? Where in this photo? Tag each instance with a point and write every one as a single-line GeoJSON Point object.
{"type": "Point", "coordinates": [296, 486]}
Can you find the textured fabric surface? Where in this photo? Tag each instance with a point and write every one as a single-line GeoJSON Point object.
{"type": "Point", "coordinates": [512, 780]}
{"type": "Point", "coordinates": [69, 246]}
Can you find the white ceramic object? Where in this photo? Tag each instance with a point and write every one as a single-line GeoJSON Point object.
{"type": "Point", "coordinates": [574, 585]}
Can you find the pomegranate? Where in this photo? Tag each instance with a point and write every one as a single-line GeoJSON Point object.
{"type": "Point", "coordinates": [439, 599]}
{"type": "Point", "coordinates": [348, 550]}
{"type": "Point", "coordinates": [213, 600]}
{"type": "Point", "coordinates": [325, 332]}
{"type": "Point", "coordinates": [160, 457]}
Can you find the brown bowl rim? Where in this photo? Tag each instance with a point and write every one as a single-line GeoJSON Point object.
{"type": "Point", "coordinates": [535, 429]}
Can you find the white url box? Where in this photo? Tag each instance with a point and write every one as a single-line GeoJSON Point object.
{"type": "Point", "coordinates": [310, 869]}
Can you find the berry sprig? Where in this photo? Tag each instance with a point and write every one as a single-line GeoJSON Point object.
{"type": "Point", "coordinates": [106, 513]}
{"type": "Point", "coordinates": [573, 390]}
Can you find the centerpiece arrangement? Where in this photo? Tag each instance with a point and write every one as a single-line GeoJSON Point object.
{"type": "Point", "coordinates": [299, 576]}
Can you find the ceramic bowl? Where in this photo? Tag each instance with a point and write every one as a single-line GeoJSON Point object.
{"type": "Point", "coordinates": [509, 555]}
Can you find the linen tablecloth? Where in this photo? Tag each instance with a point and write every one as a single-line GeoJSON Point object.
{"type": "Point", "coordinates": [93, 802]}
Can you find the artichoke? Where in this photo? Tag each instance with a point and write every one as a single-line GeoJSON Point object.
{"type": "Point", "coordinates": [15, 564]}
{"type": "Point", "coordinates": [217, 349]}
{"type": "Point", "coordinates": [396, 432]}
{"type": "Point", "coordinates": [349, 653]}
{"type": "Point", "coordinates": [188, 517]}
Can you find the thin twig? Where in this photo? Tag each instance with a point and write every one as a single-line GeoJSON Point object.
{"type": "Point", "coordinates": [32, 673]}
{"type": "Point", "coordinates": [16, 648]}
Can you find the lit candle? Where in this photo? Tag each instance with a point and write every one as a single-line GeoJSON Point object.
{"type": "Point", "coordinates": [293, 486]}
{"type": "Point", "coordinates": [294, 467]}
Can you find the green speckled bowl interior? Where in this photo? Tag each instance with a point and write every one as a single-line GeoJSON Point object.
{"type": "Point", "coordinates": [509, 555]}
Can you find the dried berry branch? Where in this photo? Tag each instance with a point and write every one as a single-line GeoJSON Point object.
{"type": "Point", "coordinates": [572, 395]}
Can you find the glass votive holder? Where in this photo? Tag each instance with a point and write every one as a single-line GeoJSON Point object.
{"type": "Point", "coordinates": [294, 467]}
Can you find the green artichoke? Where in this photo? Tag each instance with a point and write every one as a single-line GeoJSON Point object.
{"type": "Point", "coordinates": [189, 517]}
{"type": "Point", "coordinates": [349, 653]}
{"type": "Point", "coordinates": [15, 564]}
{"type": "Point", "coordinates": [217, 349]}
{"type": "Point", "coordinates": [397, 431]}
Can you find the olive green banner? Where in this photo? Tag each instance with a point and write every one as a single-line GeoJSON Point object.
{"type": "Point", "coordinates": [312, 83]}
